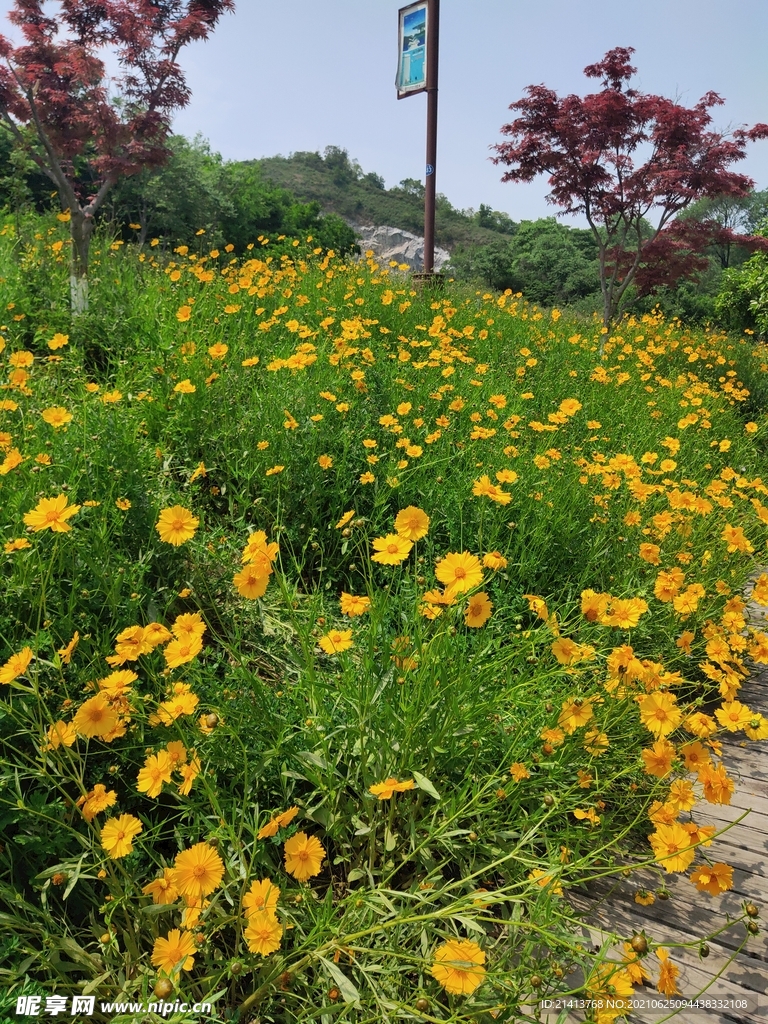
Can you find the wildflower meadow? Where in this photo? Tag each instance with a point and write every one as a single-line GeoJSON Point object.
{"type": "Point", "coordinates": [347, 625]}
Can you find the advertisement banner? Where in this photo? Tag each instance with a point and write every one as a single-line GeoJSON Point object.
{"type": "Point", "coordinates": [412, 49]}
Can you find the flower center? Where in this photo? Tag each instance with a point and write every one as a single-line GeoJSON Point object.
{"type": "Point", "coordinates": [198, 870]}
{"type": "Point", "coordinates": [460, 573]}
{"type": "Point", "coordinates": [178, 524]}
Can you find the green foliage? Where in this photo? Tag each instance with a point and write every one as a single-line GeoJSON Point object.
{"type": "Point", "coordinates": [742, 304]}
{"type": "Point", "coordinates": [551, 264]}
{"type": "Point", "coordinates": [230, 201]}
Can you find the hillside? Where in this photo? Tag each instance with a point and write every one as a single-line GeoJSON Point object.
{"type": "Point", "coordinates": [339, 184]}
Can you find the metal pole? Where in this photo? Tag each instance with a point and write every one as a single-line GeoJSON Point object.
{"type": "Point", "coordinates": [433, 29]}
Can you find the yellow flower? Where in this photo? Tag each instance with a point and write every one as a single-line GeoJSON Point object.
{"type": "Point", "coordinates": [176, 950]}
{"type": "Point", "coordinates": [96, 717]}
{"type": "Point", "coordinates": [412, 523]}
{"type": "Point", "coordinates": [262, 896]}
{"type": "Point", "coordinates": [659, 713]}
{"type": "Point", "coordinates": [718, 785]}
{"type": "Point", "coordinates": [325, 462]}
{"type": "Point", "coordinates": [60, 733]}
{"type": "Point", "coordinates": [353, 605]}
{"type": "Point", "coordinates": [263, 933]}
{"type": "Point", "coordinates": [51, 514]}
{"type": "Point", "coordinates": [336, 640]}
{"type": "Point", "coordinates": [495, 560]}
{"type": "Point", "coordinates": [589, 815]}
{"type": "Point", "coordinates": [162, 890]}
{"type": "Point", "coordinates": [176, 525]}
{"type": "Point", "coordinates": [658, 759]}
{"type": "Point", "coordinates": [669, 844]}
{"type": "Point", "coordinates": [198, 871]}
{"type": "Point", "coordinates": [189, 773]}
{"type": "Point", "coordinates": [345, 519]}
{"type": "Point", "coordinates": [20, 544]}
{"type": "Point", "coordinates": [518, 771]}
{"type": "Point", "coordinates": [460, 572]}
{"type": "Point", "coordinates": [576, 712]}
{"type": "Point", "coordinates": [179, 652]}
{"type": "Point", "coordinates": [117, 835]}
{"type": "Point", "coordinates": [733, 715]}
{"type": "Point", "coordinates": [386, 789]}
{"type": "Point", "coordinates": [486, 489]}
{"type": "Point", "coordinates": [58, 341]}
{"type": "Point", "coordinates": [181, 703]}
{"type": "Point", "coordinates": [609, 989]}
{"type": "Point", "coordinates": [96, 801]}
{"type": "Point", "coordinates": [392, 549]}
{"type": "Point", "coordinates": [624, 613]}
{"type": "Point", "coordinates": [57, 416]}
{"type": "Point", "coordinates": [458, 966]}
{"type": "Point", "coordinates": [65, 653]}
{"type": "Point", "coordinates": [545, 881]}
{"type": "Point", "coordinates": [183, 313]}
{"type": "Point", "coordinates": [667, 983]}
{"type": "Point", "coordinates": [478, 610]}
{"type": "Point", "coordinates": [157, 770]}
{"type": "Point", "coordinates": [303, 856]}
{"type": "Point", "coordinates": [713, 878]}
{"type": "Point", "coordinates": [16, 665]}
{"type": "Point", "coordinates": [218, 351]}
{"type": "Point", "coordinates": [277, 822]}
{"type": "Point", "coordinates": [185, 387]}
{"type": "Point", "coordinates": [251, 581]}
{"type": "Point", "coordinates": [123, 504]}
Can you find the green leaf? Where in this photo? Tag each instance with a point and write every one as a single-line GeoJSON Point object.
{"type": "Point", "coordinates": [347, 989]}
{"type": "Point", "coordinates": [423, 783]}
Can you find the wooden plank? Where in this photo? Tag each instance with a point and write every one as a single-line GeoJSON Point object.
{"type": "Point", "coordinates": [740, 980]}
{"type": "Point", "coordinates": [741, 977]}
{"type": "Point", "coordinates": [752, 823]}
{"type": "Point", "coordinates": [690, 921]}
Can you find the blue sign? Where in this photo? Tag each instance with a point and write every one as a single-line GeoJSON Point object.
{"type": "Point", "coordinates": [412, 50]}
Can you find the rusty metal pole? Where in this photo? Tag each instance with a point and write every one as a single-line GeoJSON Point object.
{"type": "Point", "coordinates": [433, 30]}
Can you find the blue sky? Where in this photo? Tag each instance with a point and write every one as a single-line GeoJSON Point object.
{"type": "Point", "coordinates": [277, 77]}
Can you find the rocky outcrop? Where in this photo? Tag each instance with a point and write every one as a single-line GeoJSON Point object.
{"type": "Point", "coordinates": [398, 245]}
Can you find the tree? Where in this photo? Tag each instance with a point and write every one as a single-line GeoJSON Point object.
{"type": "Point", "coordinates": [626, 160]}
{"type": "Point", "coordinates": [90, 130]}
{"type": "Point", "coordinates": [734, 213]}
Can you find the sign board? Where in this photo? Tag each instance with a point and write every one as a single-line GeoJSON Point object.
{"type": "Point", "coordinates": [412, 50]}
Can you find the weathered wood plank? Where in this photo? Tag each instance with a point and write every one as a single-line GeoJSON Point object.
{"type": "Point", "coordinates": [743, 977]}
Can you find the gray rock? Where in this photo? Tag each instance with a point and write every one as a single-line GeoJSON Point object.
{"type": "Point", "coordinates": [395, 244]}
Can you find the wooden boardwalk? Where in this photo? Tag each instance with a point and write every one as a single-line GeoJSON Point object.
{"type": "Point", "coordinates": [735, 974]}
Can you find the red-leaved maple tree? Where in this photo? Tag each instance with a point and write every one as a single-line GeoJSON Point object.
{"type": "Point", "coordinates": [629, 162]}
{"type": "Point", "coordinates": [55, 91]}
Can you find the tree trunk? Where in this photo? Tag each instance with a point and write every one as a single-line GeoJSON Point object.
{"type": "Point", "coordinates": [81, 229]}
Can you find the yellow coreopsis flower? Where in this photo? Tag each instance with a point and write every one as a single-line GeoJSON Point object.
{"type": "Point", "coordinates": [175, 950]}
{"type": "Point", "coordinates": [412, 523]}
{"type": "Point", "coordinates": [176, 525]}
{"type": "Point", "coordinates": [336, 640]}
{"type": "Point", "coordinates": [51, 514]}
{"type": "Point", "coordinates": [459, 966]}
{"type": "Point", "coordinates": [303, 856]}
{"type": "Point", "coordinates": [198, 871]}
{"type": "Point", "coordinates": [16, 665]}
{"type": "Point", "coordinates": [392, 549]}
{"type": "Point", "coordinates": [117, 835]}
{"type": "Point", "coordinates": [263, 933]}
